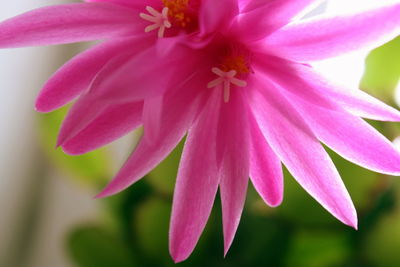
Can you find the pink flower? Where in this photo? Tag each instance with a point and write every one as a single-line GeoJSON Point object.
{"type": "Point", "coordinates": [232, 76]}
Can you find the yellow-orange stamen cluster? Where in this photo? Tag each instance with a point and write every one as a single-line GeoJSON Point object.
{"type": "Point", "coordinates": [178, 12]}
{"type": "Point", "coordinates": [235, 62]}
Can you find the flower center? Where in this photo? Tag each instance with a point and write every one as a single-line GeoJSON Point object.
{"type": "Point", "coordinates": [235, 62]}
{"type": "Point", "coordinates": [233, 66]}
{"type": "Point", "coordinates": [226, 79]}
{"type": "Point", "coordinates": [178, 13]}
{"type": "Point", "coordinates": [159, 19]}
{"type": "Point", "coordinates": [182, 13]}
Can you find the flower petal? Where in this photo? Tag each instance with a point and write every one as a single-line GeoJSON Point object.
{"type": "Point", "coordinates": [264, 17]}
{"type": "Point", "coordinates": [122, 80]}
{"type": "Point", "coordinates": [265, 168]}
{"type": "Point", "coordinates": [321, 38]}
{"type": "Point", "coordinates": [306, 84]}
{"type": "Point", "coordinates": [138, 5]}
{"type": "Point", "coordinates": [69, 23]}
{"type": "Point", "coordinates": [297, 147]}
{"type": "Point", "coordinates": [216, 15]}
{"type": "Point", "coordinates": [233, 143]}
{"type": "Point", "coordinates": [283, 72]}
{"type": "Point", "coordinates": [178, 113]}
{"type": "Point", "coordinates": [197, 182]}
{"type": "Point", "coordinates": [353, 138]}
{"type": "Point", "coordinates": [111, 124]}
{"type": "Point", "coordinates": [76, 75]}
{"type": "Point", "coordinates": [353, 100]}
{"type": "Point", "coordinates": [152, 116]}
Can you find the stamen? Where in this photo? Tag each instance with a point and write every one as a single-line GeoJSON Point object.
{"type": "Point", "coordinates": [182, 13]}
{"type": "Point", "coordinates": [226, 78]}
{"type": "Point", "coordinates": [160, 20]}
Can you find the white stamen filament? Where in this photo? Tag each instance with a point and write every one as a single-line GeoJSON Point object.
{"type": "Point", "coordinates": [226, 78]}
{"type": "Point", "coordinates": [160, 20]}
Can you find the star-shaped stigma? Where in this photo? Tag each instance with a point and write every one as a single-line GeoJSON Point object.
{"type": "Point", "coordinates": [160, 20]}
{"type": "Point", "coordinates": [227, 78]}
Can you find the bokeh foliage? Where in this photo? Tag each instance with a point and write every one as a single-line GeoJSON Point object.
{"type": "Point", "coordinates": [134, 228]}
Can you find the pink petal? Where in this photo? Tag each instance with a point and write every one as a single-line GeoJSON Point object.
{"type": "Point", "coordinates": [216, 15]}
{"type": "Point", "coordinates": [76, 75]}
{"type": "Point", "coordinates": [233, 143]}
{"type": "Point", "coordinates": [264, 17]}
{"type": "Point", "coordinates": [303, 82]}
{"type": "Point", "coordinates": [265, 168]}
{"type": "Point", "coordinates": [353, 100]}
{"type": "Point", "coordinates": [298, 148]}
{"type": "Point", "coordinates": [197, 182]}
{"type": "Point", "coordinates": [138, 5]}
{"type": "Point", "coordinates": [284, 73]}
{"type": "Point", "coordinates": [179, 110]}
{"type": "Point", "coordinates": [123, 79]}
{"type": "Point", "coordinates": [321, 38]}
{"type": "Point", "coordinates": [80, 115]}
{"type": "Point", "coordinates": [69, 23]}
{"type": "Point", "coordinates": [152, 115]}
{"type": "Point", "coordinates": [110, 125]}
{"type": "Point", "coordinates": [353, 138]}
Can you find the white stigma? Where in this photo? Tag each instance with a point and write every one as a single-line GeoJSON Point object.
{"type": "Point", "coordinates": [160, 20]}
{"type": "Point", "coordinates": [226, 78]}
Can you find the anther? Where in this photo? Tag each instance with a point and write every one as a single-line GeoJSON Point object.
{"type": "Point", "coordinates": [226, 78]}
{"type": "Point", "coordinates": [160, 20]}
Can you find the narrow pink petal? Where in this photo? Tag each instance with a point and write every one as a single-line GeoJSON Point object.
{"type": "Point", "coordinates": [178, 113]}
{"type": "Point", "coordinates": [284, 73]}
{"type": "Point", "coordinates": [353, 138]}
{"type": "Point", "coordinates": [121, 81]}
{"type": "Point", "coordinates": [264, 17]}
{"type": "Point", "coordinates": [305, 83]}
{"type": "Point", "coordinates": [76, 75]}
{"type": "Point", "coordinates": [297, 147]}
{"type": "Point", "coordinates": [111, 124]}
{"type": "Point", "coordinates": [321, 38]}
{"type": "Point", "coordinates": [352, 99]}
{"type": "Point", "coordinates": [197, 182]}
{"type": "Point", "coordinates": [233, 143]}
{"type": "Point", "coordinates": [216, 15]}
{"type": "Point", "coordinates": [137, 5]}
{"type": "Point", "coordinates": [69, 23]}
{"type": "Point", "coordinates": [265, 168]}
{"type": "Point", "coordinates": [152, 115]}
{"type": "Point", "coordinates": [80, 115]}
{"type": "Point", "coordinates": [147, 74]}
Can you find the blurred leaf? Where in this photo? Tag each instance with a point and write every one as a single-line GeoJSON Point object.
{"type": "Point", "coordinates": [359, 181]}
{"type": "Point", "coordinates": [382, 71]}
{"type": "Point", "coordinates": [300, 208]}
{"type": "Point", "coordinates": [92, 246]}
{"type": "Point", "coordinates": [151, 224]}
{"type": "Point", "coordinates": [163, 176]}
{"type": "Point", "coordinates": [315, 248]}
{"type": "Point", "coordinates": [382, 245]}
{"type": "Point", "coordinates": [260, 241]}
{"type": "Point", "coordinates": [92, 168]}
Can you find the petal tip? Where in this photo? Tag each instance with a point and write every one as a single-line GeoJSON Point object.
{"type": "Point", "coordinates": [42, 105]}
{"type": "Point", "coordinates": [105, 193]}
{"type": "Point", "coordinates": [178, 256]}
{"type": "Point", "coordinates": [226, 250]}
{"type": "Point", "coordinates": [351, 220]}
{"type": "Point", "coordinates": [68, 150]}
{"type": "Point", "coordinates": [275, 203]}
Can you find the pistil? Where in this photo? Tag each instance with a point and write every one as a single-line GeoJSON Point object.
{"type": "Point", "coordinates": [226, 78]}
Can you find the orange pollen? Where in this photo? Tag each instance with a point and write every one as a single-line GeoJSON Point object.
{"type": "Point", "coordinates": [237, 63]}
{"type": "Point", "coordinates": [178, 12]}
